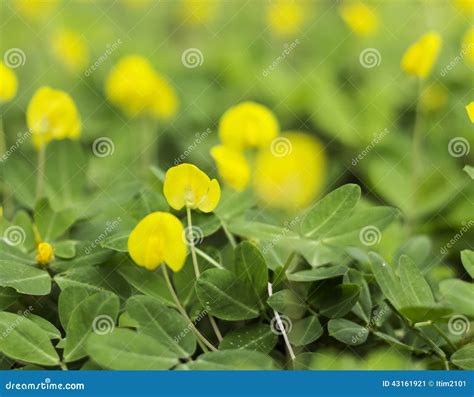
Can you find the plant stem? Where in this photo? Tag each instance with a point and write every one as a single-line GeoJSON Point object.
{"type": "Point", "coordinates": [183, 312]}
{"type": "Point", "coordinates": [191, 242]}
{"type": "Point", "coordinates": [63, 366]}
{"type": "Point", "coordinates": [40, 171]}
{"type": "Point", "coordinates": [282, 274]}
{"type": "Point", "coordinates": [229, 235]}
{"type": "Point", "coordinates": [213, 262]}
{"type": "Point", "coordinates": [445, 337]}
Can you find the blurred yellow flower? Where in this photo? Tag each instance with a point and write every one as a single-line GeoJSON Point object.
{"type": "Point", "coordinates": [465, 6]}
{"type": "Point", "coordinates": [198, 12]}
{"type": "Point", "coordinates": [290, 173]}
{"type": "Point", "coordinates": [70, 49]}
{"type": "Point", "coordinates": [158, 238]}
{"type": "Point", "coordinates": [468, 45]}
{"type": "Point", "coordinates": [232, 166]}
{"type": "Point", "coordinates": [248, 124]}
{"type": "Point", "coordinates": [186, 185]}
{"type": "Point", "coordinates": [35, 10]}
{"type": "Point", "coordinates": [139, 90]}
{"type": "Point", "coordinates": [362, 19]}
{"type": "Point", "coordinates": [8, 83]}
{"type": "Point", "coordinates": [45, 253]}
{"type": "Point", "coordinates": [470, 111]}
{"type": "Point", "coordinates": [433, 98]}
{"type": "Point", "coordinates": [286, 17]}
{"type": "Point", "coordinates": [420, 57]}
{"type": "Point", "coordinates": [52, 114]}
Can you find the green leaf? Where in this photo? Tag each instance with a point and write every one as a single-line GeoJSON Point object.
{"type": "Point", "coordinates": [23, 220]}
{"type": "Point", "coordinates": [207, 223]}
{"type": "Point", "coordinates": [287, 302]}
{"type": "Point", "coordinates": [45, 325]}
{"type": "Point", "coordinates": [24, 279]}
{"type": "Point", "coordinates": [97, 313]}
{"type": "Point", "coordinates": [232, 204]}
{"type": "Point", "coordinates": [305, 331]}
{"type": "Point", "coordinates": [363, 307]}
{"type": "Point", "coordinates": [458, 295]}
{"type": "Point", "coordinates": [347, 331]}
{"type": "Point", "coordinates": [232, 360]}
{"type": "Point", "coordinates": [7, 297]}
{"type": "Point", "coordinates": [69, 299]}
{"type": "Point", "coordinates": [419, 314]}
{"type": "Point", "coordinates": [117, 242]}
{"type": "Point", "coordinates": [226, 296]}
{"type": "Point", "coordinates": [251, 268]}
{"type": "Point", "coordinates": [467, 258]}
{"type": "Point", "coordinates": [338, 301]}
{"type": "Point", "coordinates": [14, 254]}
{"type": "Point", "coordinates": [414, 286]}
{"type": "Point", "coordinates": [396, 343]}
{"type": "Point", "coordinates": [330, 210]}
{"type": "Point", "coordinates": [163, 324]}
{"type": "Point", "coordinates": [52, 224]}
{"type": "Point", "coordinates": [124, 349]}
{"type": "Point", "coordinates": [464, 357]}
{"type": "Point", "coordinates": [469, 170]}
{"type": "Point", "coordinates": [65, 249]}
{"type": "Point", "coordinates": [319, 273]}
{"type": "Point", "coordinates": [24, 340]}
{"type": "Point", "coordinates": [256, 337]}
{"type": "Point", "coordinates": [86, 255]}
{"type": "Point", "coordinates": [260, 231]}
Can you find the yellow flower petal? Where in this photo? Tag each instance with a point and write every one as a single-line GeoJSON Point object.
{"type": "Point", "coordinates": [362, 19]}
{"type": "Point", "coordinates": [158, 238]}
{"type": "Point", "coordinates": [45, 253]}
{"type": "Point", "coordinates": [286, 17]}
{"type": "Point", "coordinates": [212, 197]}
{"type": "Point", "coordinates": [8, 83]}
{"type": "Point", "coordinates": [468, 45]}
{"type": "Point", "coordinates": [420, 57]}
{"type": "Point", "coordinates": [232, 166]}
{"type": "Point", "coordinates": [70, 49]}
{"type": "Point", "coordinates": [470, 111]}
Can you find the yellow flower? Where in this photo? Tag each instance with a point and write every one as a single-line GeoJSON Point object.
{"type": "Point", "coordinates": [158, 238]}
{"type": "Point", "coordinates": [362, 19]}
{"type": "Point", "coordinates": [52, 114]}
{"type": "Point", "coordinates": [465, 6]}
{"type": "Point", "coordinates": [35, 10]}
{"type": "Point", "coordinates": [138, 90]}
{"type": "Point", "coordinates": [186, 185]}
{"type": "Point", "coordinates": [286, 17]}
{"type": "Point", "coordinates": [8, 83]}
{"type": "Point", "coordinates": [45, 253]}
{"type": "Point", "coordinates": [420, 57]}
{"type": "Point", "coordinates": [70, 49]}
{"type": "Point", "coordinates": [198, 12]}
{"type": "Point", "coordinates": [468, 45]}
{"type": "Point", "coordinates": [291, 173]}
{"type": "Point", "coordinates": [248, 124]}
{"type": "Point", "coordinates": [470, 111]}
{"type": "Point", "coordinates": [433, 98]}
{"type": "Point", "coordinates": [232, 166]}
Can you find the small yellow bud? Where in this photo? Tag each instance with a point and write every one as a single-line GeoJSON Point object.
{"type": "Point", "coordinates": [45, 253]}
{"type": "Point", "coordinates": [8, 83]}
{"type": "Point", "coordinates": [420, 57]}
{"type": "Point", "coordinates": [360, 18]}
{"type": "Point", "coordinates": [286, 17]}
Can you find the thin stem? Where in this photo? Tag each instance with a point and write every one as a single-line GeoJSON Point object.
{"type": "Point", "coordinates": [63, 366]}
{"type": "Point", "coordinates": [40, 171]}
{"type": "Point", "coordinates": [229, 235]}
{"type": "Point", "coordinates": [445, 337]}
{"type": "Point", "coordinates": [215, 327]}
{"type": "Point", "coordinates": [147, 145]}
{"type": "Point", "coordinates": [213, 262]}
{"type": "Point", "coordinates": [191, 242]}
{"type": "Point", "coordinates": [183, 312]}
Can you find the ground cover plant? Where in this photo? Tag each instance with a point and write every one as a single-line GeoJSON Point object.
{"type": "Point", "coordinates": [236, 184]}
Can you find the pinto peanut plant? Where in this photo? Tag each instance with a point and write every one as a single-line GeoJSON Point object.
{"type": "Point", "coordinates": [320, 219]}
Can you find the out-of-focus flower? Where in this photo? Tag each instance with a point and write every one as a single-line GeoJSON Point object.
{"type": "Point", "coordinates": [248, 124]}
{"type": "Point", "coordinates": [52, 114]}
{"type": "Point", "coordinates": [70, 49]}
{"type": "Point", "coordinates": [139, 90]}
{"type": "Point", "coordinates": [198, 12]}
{"type": "Point", "coordinates": [35, 10]}
{"type": "Point", "coordinates": [360, 18]}
{"type": "Point", "coordinates": [470, 111]}
{"type": "Point", "coordinates": [8, 83]}
{"type": "Point", "coordinates": [420, 57]}
{"type": "Point", "coordinates": [286, 17]}
{"type": "Point", "coordinates": [468, 45]}
{"type": "Point", "coordinates": [232, 166]}
{"type": "Point", "coordinates": [465, 6]}
{"type": "Point", "coordinates": [45, 253]}
{"type": "Point", "coordinates": [433, 98]}
{"type": "Point", "coordinates": [186, 185]}
{"type": "Point", "coordinates": [157, 239]}
{"type": "Point", "coordinates": [291, 181]}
